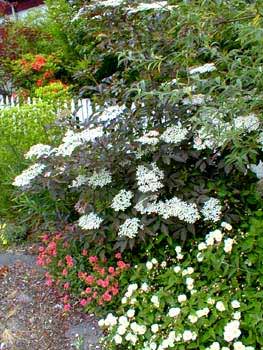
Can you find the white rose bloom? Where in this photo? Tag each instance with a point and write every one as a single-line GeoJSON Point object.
{"type": "Point", "coordinates": [101, 323]}
{"type": "Point", "coordinates": [153, 346]}
{"type": "Point", "coordinates": [189, 281]}
{"type": "Point", "coordinates": [130, 313]}
{"type": "Point", "coordinates": [177, 269]}
{"type": "Point", "coordinates": [217, 235]}
{"type": "Point", "coordinates": [239, 346]}
{"type": "Point", "coordinates": [202, 246]}
{"type": "Point", "coordinates": [200, 257]}
{"type": "Point", "coordinates": [237, 315]}
{"type": "Point", "coordinates": [226, 226]}
{"type": "Point", "coordinates": [155, 328]}
{"type": "Point", "coordinates": [154, 261]}
{"type": "Point", "coordinates": [235, 304]}
{"type": "Point", "coordinates": [215, 346]}
{"type": "Point", "coordinates": [117, 339]}
{"type": "Point", "coordinates": [163, 264]}
{"type": "Point", "coordinates": [174, 311]}
{"type": "Point", "coordinates": [124, 300]}
{"type": "Point", "coordinates": [110, 320]}
{"type": "Point", "coordinates": [123, 320]}
{"type": "Point", "coordinates": [193, 318]}
{"type": "Point", "coordinates": [155, 300]}
{"type": "Point", "coordinates": [228, 244]}
{"type": "Point", "coordinates": [232, 331]}
{"type": "Point", "coordinates": [225, 348]}
{"type": "Point", "coordinates": [144, 287]}
{"type": "Point", "coordinates": [187, 335]}
{"type": "Point", "coordinates": [149, 265]}
{"type": "Point", "coordinates": [220, 306]}
{"type": "Point", "coordinates": [121, 330]}
{"type": "Point", "coordinates": [181, 298]}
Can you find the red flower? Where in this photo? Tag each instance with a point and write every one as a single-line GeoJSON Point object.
{"type": "Point", "coordinates": [48, 74]}
{"type": "Point", "coordinates": [38, 63]}
{"type": "Point", "coordinates": [84, 252]}
{"type": "Point", "coordinates": [39, 82]}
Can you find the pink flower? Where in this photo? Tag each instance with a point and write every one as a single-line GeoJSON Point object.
{"type": "Point", "coordinates": [84, 252]}
{"type": "Point", "coordinates": [67, 307]}
{"type": "Point", "coordinates": [40, 261]}
{"type": "Point", "coordinates": [89, 279]}
{"type": "Point", "coordinates": [45, 238]}
{"type": "Point", "coordinates": [111, 270]}
{"type": "Point", "coordinates": [88, 290]}
{"type": "Point", "coordinates": [66, 285]}
{"type": "Point", "coordinates": [64, 272]}
{"type": "Point", "coordinates": [69, 260]}
{"type": "Point", "coordinates": [83, 302]}
{"type": "Point", "coordinates": [93, 259]}
{"type": "Point", "coordinates": [114, 290]}
{"type": "Point", "coordinates": [106, 296]}
{"type": "Point", "coordinates": [41, 249]}
{"type": "Point", "coordinates": [65, 299]}
{"type": "Point", "coordinates": [121, 264]}
{"type": "Point", "coordinates": [49, 282]}
{"type": "Point", "coordinates": [94, 295]}
{"type": "Point", "coordinates": [118, 255]}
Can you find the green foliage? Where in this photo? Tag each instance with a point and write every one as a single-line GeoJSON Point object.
{"type": "Point", "coordinates": [11, 234]}
{"type": "Point", "coordinates": [21, 127]}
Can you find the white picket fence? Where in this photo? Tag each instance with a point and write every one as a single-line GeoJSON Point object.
{"type": "Point", "coordinates": [81, 109]}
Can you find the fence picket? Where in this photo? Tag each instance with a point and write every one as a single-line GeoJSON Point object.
{"type": "Point", "coordinates": [81, 109]}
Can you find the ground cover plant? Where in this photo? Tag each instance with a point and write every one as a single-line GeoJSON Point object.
{"type": "Point", "coordinates": [167, 171]}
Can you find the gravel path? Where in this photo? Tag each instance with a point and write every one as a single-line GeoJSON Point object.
{"type": "Point", "coordinates": [31, 314]}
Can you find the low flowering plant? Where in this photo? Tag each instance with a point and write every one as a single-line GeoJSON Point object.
{"type": "Point", "coordinates": [201, 299]}
{"type": "Point", "coordinates": [83, 278]}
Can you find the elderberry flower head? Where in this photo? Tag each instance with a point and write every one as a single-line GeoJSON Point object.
{"type": "Point", "coordinates": [130, 228]}
{"type": "Point", "coordinates": [212, 210]}
{"type": "Point", "coordinates": [149, 179]}
{"type": "Point", "coordinates": [100, 179]}
{"type": "Point", "coordinates": [90, 222]}
{"type": "Point", "coordinates": [25, 178]}
{"type": "Point", "coordinates": [38, 151]}
{"type": "Point", "coordinates": [174, 134]}
{"type": "Point", "coordinates": [122, 200]}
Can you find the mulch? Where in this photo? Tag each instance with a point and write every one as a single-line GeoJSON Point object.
{"type": "Point", "coordinates": [32, 315]}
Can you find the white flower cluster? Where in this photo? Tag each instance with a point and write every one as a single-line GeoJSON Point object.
{"type": "Point", "coordinates": [149, 179]}
{"type": "Point", "coordinates": [25, 178]}
{"type": "Point", "coordinates": [72, 140]}
{"type": "Point", "coordinates": [174, 134]}
{"type": "Point", "coordinates": [122, 200]}
{"type": "Point", "coordinates": [79, 181]}
{"type": "Point", "coordinates": [130, 228]}
{"type": "Point", "coordinates": [159, 5]}
{"type": "Point", "coordinates": [257, 169]}
{"type": "Point", "coordinates": [212, 210]}
{"type": "Point", "coordinates": [38, 151]}
{"type": "Point", "coordinates": [175, 207]}
{"type": "Point", "coordinates": [111, 113]}
{"type": "Point", "coordinates": [90, 222]}
{"type": "Point", "coordinates": [204, 139]}
{"type": "Point", "coordinates": [247, 123]}
{"type": "Point", "coordinates": [206, 68]}
{"type": "Point", "coordinates": [100, 179]}
{"type": "Point", "coordinates": [150, 138]}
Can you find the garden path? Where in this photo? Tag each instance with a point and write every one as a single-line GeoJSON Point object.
{"type": "Point", "coordinates": [31, 314]}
